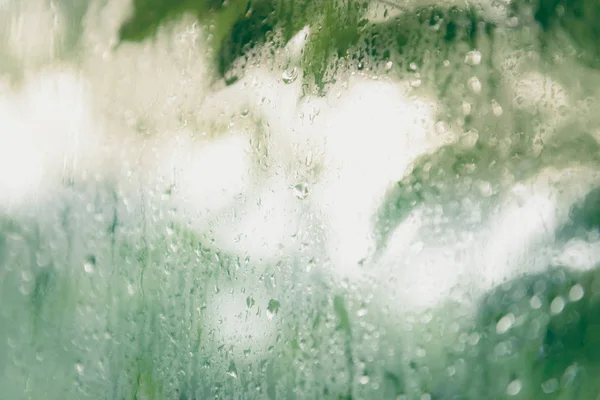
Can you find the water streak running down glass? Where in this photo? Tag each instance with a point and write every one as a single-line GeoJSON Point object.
{"type": "Point", "coordinates": [278, 199]}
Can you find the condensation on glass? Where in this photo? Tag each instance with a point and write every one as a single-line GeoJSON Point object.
{"type": "Point", "coordinates": [333, 199]}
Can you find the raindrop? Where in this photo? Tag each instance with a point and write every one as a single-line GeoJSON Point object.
{"type": "Point", "coordinates": [514, 387]}
{"type": "Point", "coordinates": [389, 65]}
{"type": "Point", "coordinates": [415, 83]}
{"type": "Point", "coordinates": [272, 308]}
{"type": "Point", "coordinates": [466, 108]}
{"type": "Point", "coordinates": [79, 368]}
{"type": "Point", "coordinates": [250, 301]}
{"type": "Point", "coordinates": [505, 323]}
{"type": "Point", "coordinates": [535, 302]}
{"type": "Point", "coordinates": [89, 264]}
{"type": "Point", "coordinates": [474, 85]}
{"type": "Point", "coordinates": [301, 191]}
{"type": "Point", "coordinates": [576, 293]}
{"type": "Point", "coordinates": [363, 380]}
{"type": "Point", "coordinates": [473, 58]}
{"type": "Point", "coordinates": [232, 370]}
{"type": "Point", "coordinates": [486, 189]}
{"type": "Point", "coordinates": [557, 305]}
{"type": "Point", "coordinates": [496, 108]}
{"type": "Point", "coordinates": [289, 75]}
{"type": "Point", "coordinates": [550, 386]}
{"type": "Point", "coordinates": [469, 139]}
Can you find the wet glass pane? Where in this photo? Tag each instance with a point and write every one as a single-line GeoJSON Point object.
{"type": "Point", "coordinates": [279, 199]}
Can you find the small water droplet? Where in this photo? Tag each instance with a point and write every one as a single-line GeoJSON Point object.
{"type": "Point", "coordinates": [289, 75]}
{"type": "Point", "coordinates": [90, 264]}
{"type": "Point", "coordinates": [496, 108]}
{"type": "Point", "coordinates": [550, 386]}
{"type": "Point", "coordinates": [576, 293]}
{"type": "Point", "coordinates": [557, 305]}
{"type": "Point", "coordinates": [415, 83]}
{"type": "Point", "coordinates": [79, 368]}
{"type": "Point", "coordinates": [250, 301]}
{"type": "Point", "coordinates": [389, 65]}
{"type": "Point", "coordinates": [535, 302]}
{"type": "Point", "coordinates": [486, 189]}
{"type": "Point", "coordinates": [514, 387]}
{"type": "Point", "coordinates": [474, 85]}
{"type": "Point", "coordinates": [272, 308]}
{"type": "Point", "coordinates": [466, 108]}
{"type": "Point", "coordinates": [505, 323]}
{"type": "Point", "coordinates": [363, 380]}
{"type": "Point", "coordinates": [469, 138]}
{"type": "Point", "coordinates": [473, 58]}
{"type": "Point", "coordinates": [301, 191]}
{"type": "Point", "coordinates": [232, 370]}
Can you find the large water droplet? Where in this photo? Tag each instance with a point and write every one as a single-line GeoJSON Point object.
{"type": "Point", "coordinates": [272, 308]}
{"type": "Point", "coordinates": [232, 370]}
{"type": "Point", "coordinates": [514, 387]}
{"type": "Point", "coordinates": [505, 323]}
{"type": "Point", "coordinates": [90, 264]}
{"type": "Point", "coordinates": [289, 75]}
{"type": "Point", "coordinates": [576, 293]}
{"type": "Point", "coordinates": [475, 85]}
{"type": "Point", "coordinates": [473, 58]}
{"type": "Point", "coordinates": [557, 305]}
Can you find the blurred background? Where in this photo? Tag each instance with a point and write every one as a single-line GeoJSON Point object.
{"type": "Point", "coordinates": [279, 199]}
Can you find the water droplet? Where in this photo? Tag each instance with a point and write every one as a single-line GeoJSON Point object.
{"type": "Point", "coordinates": [505, 323]}
{"type": "Point", "coordinates": [415, 83]}
{"type": "Point", "coordinates": [466, 108]}
{"type": "Point", "coordinates": [388, 65]}
{"type": "Point", "coordinates": [576, 293]}
{"type": "Point", "coordinates": [79, 368]}
{"type": "Point", "coordinates": [413, 66]}
{"type": "Point", "coordinates": [514, 387]}
{"type": "Point", "coordinates": [89, 264]}
{"type": "Point", "coordinates": [232, 370]}
{"type": "Point", "coordinates": [474, 85]}
{"type": "Point", "coordinates": [361, 312]}
{"type": "Point", "coordinates": [301, 191]}
{"type": "Point", "coordinates": [473, 58]}
{"type": "Point", "coordinates": [485, 188]}
{"type": "Point", "coordinates": [250, 301]}
{"type": "Point", "coordinates": [550, 386]}
{"type": "Point", "coordinates": [557, 305]}
{"type": "Point", "coordinates": [469, 138]}
{"type": "Point", "coordinates": [496, 108]}
{"type": "Point", "coordinates": [535, 302]}
{"type": "Point", "coordinates": [363, 380]}
{"type": "Point", "coordinates": [272, 308]}
{"type": "Point", "coordinates": [289, 75]}
{"type": "Point", "coordinates": [569, 375]}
